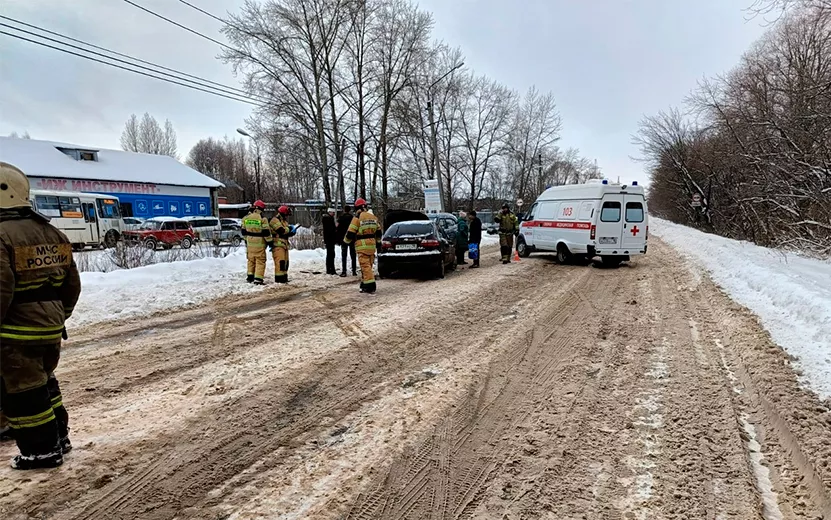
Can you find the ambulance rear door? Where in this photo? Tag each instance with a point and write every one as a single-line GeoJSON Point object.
{"type": "Point", "coordinates": [610, 224]}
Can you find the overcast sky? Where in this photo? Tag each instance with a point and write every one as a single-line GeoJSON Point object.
{"type": "Point", "coordinates": [608, 62]}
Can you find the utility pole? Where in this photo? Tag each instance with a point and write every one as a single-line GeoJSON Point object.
{"type": "Point", "coordinates": [434, 142]}
{"type": "Point", "coordinates": [258, 189]}
{"type": "Point", "coordinates": [540, 165]}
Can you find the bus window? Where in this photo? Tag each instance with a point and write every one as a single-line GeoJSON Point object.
{"type": "Point", "coordinates": [89, 212]}
{"type": "Point", "coordinates": [108, 208]}
{"type": "Point", "coordinates": [48, 205]}
{"type": "Point", "coordinates": [70, 207]}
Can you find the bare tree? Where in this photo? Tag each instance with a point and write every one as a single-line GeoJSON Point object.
{"type": "Point", "coordinates": [147, 136]}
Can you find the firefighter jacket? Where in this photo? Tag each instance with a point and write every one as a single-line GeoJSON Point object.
{"type": "Point", "coordinates": [39, 282]}
{"type": "Point", "coordinates": [508, 223]}
{"type": "Point", "coordinates": [365, 231]}
{"type": "Point", "coordinates": [280, 231]}
{"type": "Point", "coordinates": [256, 231]}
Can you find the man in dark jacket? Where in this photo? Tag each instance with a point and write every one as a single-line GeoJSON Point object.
{"type": "Point", "coordinates": [39, 286]}
{"type": "Point", "coordinates": [330, 238]}
{"type": "Point", "coordinates": [461, 238]}
{"type": "Point", "coordinates": [344, 222]}
{"type": "Point", "coordinates": [474, 238]}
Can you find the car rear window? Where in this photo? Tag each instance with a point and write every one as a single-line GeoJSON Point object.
{"type": "Point", "coordinates": [634, 212]}
{"type": "Point", "coordinates": [410, 228]}
{"type": "Point", "coordinates": [610, 212]}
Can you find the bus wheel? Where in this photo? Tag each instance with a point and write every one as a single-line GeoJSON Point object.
{"type": "Point", "coordinates": [563, 254]}
{"type": "Point", "coordinates": [111, 238]}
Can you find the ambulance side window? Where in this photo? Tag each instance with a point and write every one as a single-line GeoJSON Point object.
{"type": "Point", "coordinates": [531, 212]}
{"type": "Point", "coordinates": [610, 212]}
{"type": "Point", "coordinates": [547, 210]}
{"type": "Point", "coordinates": [634, 212]}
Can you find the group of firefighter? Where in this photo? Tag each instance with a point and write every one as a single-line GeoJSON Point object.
{"type": "Point", "coordinates": [261, 233]}
{"type": "Point", "coordinates": [40, 285]}
{"type": "Point", "coordinates": [364, 230]}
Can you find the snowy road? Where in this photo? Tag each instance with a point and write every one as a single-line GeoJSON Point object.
{"type": "Point", "coordinates": [524, 391]}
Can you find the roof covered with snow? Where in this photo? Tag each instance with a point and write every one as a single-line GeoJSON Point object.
{"type": "Point", "coordinates": [44, 159]}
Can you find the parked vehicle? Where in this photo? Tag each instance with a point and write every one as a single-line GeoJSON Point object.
{"type": "Point", "coordinates": [132, 223]}
{"type": "Point", "coordinates": [587, 220]}
{"type": "Point", "coordinates": [492, 228]}
{"type": "Point", "coordinates": [446, 222]}
{"type": "Point", "coordinates": [206, 229]}
{"type": "Point", "coordinates": [231, 221]}
{"type": "Point", "coordinates": [87, 219]}
{"type": "Point", "coordinates": [164, 231]}
{"type": "Point", "coordinates": [231, 233]}
{"type": "Point", "coordinates": [414, 242]}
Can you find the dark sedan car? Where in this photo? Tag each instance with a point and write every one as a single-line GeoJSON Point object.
{"type": "Point", "coordinates": [412, 242]}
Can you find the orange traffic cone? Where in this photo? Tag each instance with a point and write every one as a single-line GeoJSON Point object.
{"type": "Point", "coordinates": [516, 255]}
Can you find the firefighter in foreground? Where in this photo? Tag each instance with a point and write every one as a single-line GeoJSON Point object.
{"type": "Point", "coordinates": [281, 232]}
{"type": "Point", "coordinates": [257, 235]}
{"type": "Point", "coordinates": [365, 232]}
{"type": "Point", "coordinates": [508, 227]}
{"type": "Point", "coordinates": [39, 286]}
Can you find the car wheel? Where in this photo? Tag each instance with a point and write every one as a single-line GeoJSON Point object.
{"type": "Point", "coordinates": [522, 248]}
{"type": "Point", "coordinates": [563, 254]}
{"type": "Point", "coordinates": [186, 243]}
{"type": "Point", "coordinates": [236, 241]}
{"type": "Point", "coordinates": [440, 269]}
{"type": "Point", "coordinates": [384, 271]}
{"type": "Point", "coordinates": [150, 244]}
{"type": "Point", "coordinates": [111, 238]}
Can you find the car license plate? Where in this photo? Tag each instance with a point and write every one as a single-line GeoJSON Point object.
{"type": "Point", "coordinates": [401, 247]}
{"type": "Point", "coordinates": [608, 240]}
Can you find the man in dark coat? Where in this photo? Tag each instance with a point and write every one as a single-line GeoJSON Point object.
{"type": "Point", "coordinates": [475, 235]}
{"type": "Point", "coordinates": [330, 238]}
{"type": "Point", "coordinates": [344, 222]}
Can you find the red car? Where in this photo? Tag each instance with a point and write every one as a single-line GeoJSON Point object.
{"type": "Point", "coordinates": [164, 231]}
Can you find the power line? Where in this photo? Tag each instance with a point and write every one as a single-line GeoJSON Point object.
{"type": "Point", "coordinates": [167, 79]}
{"type": "Point", "coordinates": [222, 88]}
{"type": "Point", "coordinates": [177, 24]}
{"type": "Point", "coordinates": [203, 11]}
{"type": "Point", "coordinates": [237, 90]}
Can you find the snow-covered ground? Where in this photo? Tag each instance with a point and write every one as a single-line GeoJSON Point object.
{"type": "Point", "coordinates": [131, 293]}
{"type": "Point", "coordinates": [790, 294]}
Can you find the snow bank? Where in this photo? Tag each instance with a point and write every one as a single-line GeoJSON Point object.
{"type": "Point", "coordinates": [142, 291]}
{"type": "Point", "coordinates": [790, 294]}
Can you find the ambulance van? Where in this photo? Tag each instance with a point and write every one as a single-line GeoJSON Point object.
{"type": "Point", "coordinates": [587, 220]}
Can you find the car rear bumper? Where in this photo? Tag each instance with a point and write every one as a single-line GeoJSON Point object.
{"type": "Point", "coordinates": [409, 258]}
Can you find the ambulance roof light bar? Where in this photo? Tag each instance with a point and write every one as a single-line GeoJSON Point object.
{"type": "Point", "coordinates": [634, 183]}
{"type": "Point", "coordinates": [605, 181]}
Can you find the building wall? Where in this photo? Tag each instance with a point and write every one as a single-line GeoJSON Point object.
{"type": "Point", "coordinates": [140, 199]}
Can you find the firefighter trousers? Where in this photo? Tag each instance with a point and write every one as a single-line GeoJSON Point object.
{"type": "Point", "coordinates": [366, 259]}
{"type": "Point", "coordinates": [256, 263]}
{"type": "Point", "coordinates": [31, 397]}
{"type": "Point", "coordinates": [281, 264]}
{"type": "Point", "coordinates": [506, 244]}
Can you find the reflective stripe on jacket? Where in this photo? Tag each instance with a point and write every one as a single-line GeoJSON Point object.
{"type": "Point", "coordinates": [255, 230]}
{"type": "Point", "coordinates": [365, 231]}
{"type": "Point", "coordinates": [39, 281]}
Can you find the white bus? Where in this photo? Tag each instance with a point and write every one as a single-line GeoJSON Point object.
{"type": "Point", "coordinates": [87, 219]}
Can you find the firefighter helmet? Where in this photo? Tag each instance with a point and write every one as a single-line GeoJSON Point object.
{"type": "Point", "coordinates": [14, 187]}
{"type": "Point", "coordinates": [259, 204]}
{"type": "Point", "coordinates": [284, 210]}
{"type": "Point", "coordinates": [360, 203]}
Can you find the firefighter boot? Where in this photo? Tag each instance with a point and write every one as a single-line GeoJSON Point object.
{"type": "Point", "coordinates": [52, 459]}
{"type": "Point", "coordinates": [250, 278]}
{"type": "Point", "coordinates": [281, 278]}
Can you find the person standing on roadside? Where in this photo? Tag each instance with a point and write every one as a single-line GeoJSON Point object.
{"type": "Point", "coordinates": [461, 238]}
{"type": "Point", "coordinates": [39, 287]}
{"type": "Point", "coordinates": [344, 222]}
{"type": "Point", "coordinates": [257, 236]}
{"type": "Point", "coordinates": [330, 238]}
{"type": "Point", "coordinates": [508, 227]}
{"type": "Point", "coordinates": [365, 232]}
{"type": "Point", "coordinates": [281, 232]}
{"type": "Point", "coordinates": [474, 238]}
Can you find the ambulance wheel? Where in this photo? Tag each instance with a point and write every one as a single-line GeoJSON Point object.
{"type": "Point", "coordinates": [150, 244]}
{"type": "Point", "coordinates": [563, 254]}
{"type": "Point", "coordinates": [186, 243]}
{"type": "Point", "coordinates": [522, 248]}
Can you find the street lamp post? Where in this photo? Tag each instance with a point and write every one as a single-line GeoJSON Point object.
{"type": "Point", "coordinates": [256, 164]}
{"type": "Point", "coordinates": [434, 143]}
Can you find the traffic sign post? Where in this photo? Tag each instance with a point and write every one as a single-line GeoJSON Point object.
{"type": "Point", "coordinates": [696, 200]}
